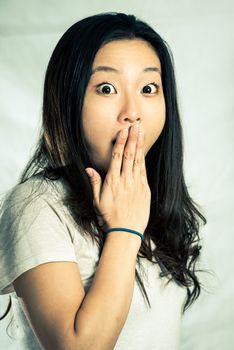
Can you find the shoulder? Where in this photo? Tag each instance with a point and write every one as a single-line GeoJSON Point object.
{"type": "Point", "coordinates": [35, 189]}
{"type": "Point", "coordinates": [36, 200]}
{"type": "Point", "coordinates": [37, 184]}
{"type": "Point", "coordinates": [33, 229]}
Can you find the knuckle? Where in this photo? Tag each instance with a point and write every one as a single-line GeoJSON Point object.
{"type": "Point", "coordinates": [95, 180]}
{"type": "Point", "coordinates": [112, 182]}
{"type": "Point", "coordinates": [146, 188]}
{"type": "Point", "coordinates": [109, 180]}
{"type": "Point", "coordinates": [116, 155]}
{"type": "Point", "coordinates": [137, 162]}
{"type": "Point", "coordinates": [128, 155]}
{"type": "Point", "coordinates": [127, 185]}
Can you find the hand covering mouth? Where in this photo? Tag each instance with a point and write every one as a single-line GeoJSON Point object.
{"type": "Point", "coordinates": [113, 141]}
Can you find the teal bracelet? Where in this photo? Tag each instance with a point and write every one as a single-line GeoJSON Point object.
{"type": "Point", "coordinates": [126, 230]}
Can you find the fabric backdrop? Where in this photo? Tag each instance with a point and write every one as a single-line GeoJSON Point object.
{"type": "Point", "coordinates": [201, 36]}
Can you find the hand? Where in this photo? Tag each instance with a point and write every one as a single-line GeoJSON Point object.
{"type": "Point", "coordinates": [124, 198]}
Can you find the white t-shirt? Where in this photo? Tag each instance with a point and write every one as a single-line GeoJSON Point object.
{"type": "Point", "coordinates": [45, 231]}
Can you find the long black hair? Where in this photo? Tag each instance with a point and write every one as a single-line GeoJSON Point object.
{"type": "Point", "coordinates": [61, 151]}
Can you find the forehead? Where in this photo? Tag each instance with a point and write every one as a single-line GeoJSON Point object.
{"type": "Point", "coordinates": [127, 50]}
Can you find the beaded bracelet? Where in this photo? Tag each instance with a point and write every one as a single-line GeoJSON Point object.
{"type": "Point", "coordinates": [126, 230]}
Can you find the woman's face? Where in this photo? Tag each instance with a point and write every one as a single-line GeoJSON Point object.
{"type": "Point", "coordinates": [121, 92]}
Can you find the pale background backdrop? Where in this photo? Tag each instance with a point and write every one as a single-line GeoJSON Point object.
{"type": "Point", "coordinates": [201, 36]}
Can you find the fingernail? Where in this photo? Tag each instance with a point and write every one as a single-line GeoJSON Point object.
{"type": "Point", "coordinates": [89, 172]}
{"type": "Point", "coordinates": [124, 132]}
{"type": "Point", "coordinates": [136, 127]}
{"type": "Point", "coordinates": [141, 134]}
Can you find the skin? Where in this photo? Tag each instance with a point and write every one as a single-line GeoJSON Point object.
{"type": "Point", "coordinates": [76, 319]}
{"type": "Point", "coordinates": [122, 102]}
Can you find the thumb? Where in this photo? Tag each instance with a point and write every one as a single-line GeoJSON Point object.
{"type": "Point", "coordinates": [96, 183]}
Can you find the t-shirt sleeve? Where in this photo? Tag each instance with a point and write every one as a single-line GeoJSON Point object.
{"type": "Point", "coordinates": [31, 235]}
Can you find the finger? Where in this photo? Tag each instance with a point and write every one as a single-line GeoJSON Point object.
{"type": "Point", "coordinates": [96, 183]}
{"type": "Point", "coordinates": [117, 153]}
{"type": "Point", "coordinates": [143, 167]}
{"type": "Point", "coordinates": [137, 165]}
{"type": "Point", "coordinates": [129, 152]}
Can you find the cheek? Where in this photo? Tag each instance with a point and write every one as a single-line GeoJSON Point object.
{"type": "Point", "coordinates": [162, 117]}
{"type": "Point", "coordinates": [161, 114]}
{"type": "Point", "coordinates": [95, 121]}
{"type": "Point", "coordinates": [156, 124]}
{"type": "Point", "coordinates": [92, 122]}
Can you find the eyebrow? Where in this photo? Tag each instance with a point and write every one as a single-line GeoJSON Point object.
{"type": "Point", "coordinates": [113, 70]}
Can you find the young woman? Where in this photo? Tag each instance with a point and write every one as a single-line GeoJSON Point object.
{"type": "Point", "coordinates": [99, 238]}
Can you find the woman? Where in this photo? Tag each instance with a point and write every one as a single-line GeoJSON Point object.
{"type": "Point", "coordinates": [103, 200]}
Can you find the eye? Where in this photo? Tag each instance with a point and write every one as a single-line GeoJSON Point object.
{"type": "Point", "coordinates": [147, 90]}
{"type": "Point", "coordinates": [105, 88]}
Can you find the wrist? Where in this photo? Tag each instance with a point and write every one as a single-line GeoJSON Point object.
{"type": "Point", "coordinates": [136, 228]}
{"type": "Point", "coordinates": [124, 239]}
{"type": "Point", "coordinates": [124, 229]}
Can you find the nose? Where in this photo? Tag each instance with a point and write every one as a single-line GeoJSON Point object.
{"type": "Point", "coordinates": [129, 112]}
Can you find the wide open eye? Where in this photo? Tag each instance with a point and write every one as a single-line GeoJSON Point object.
{"type": "Point", "coordinates": [105, 88]}
{"type": "Point", "coordinates": [148, 90]}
